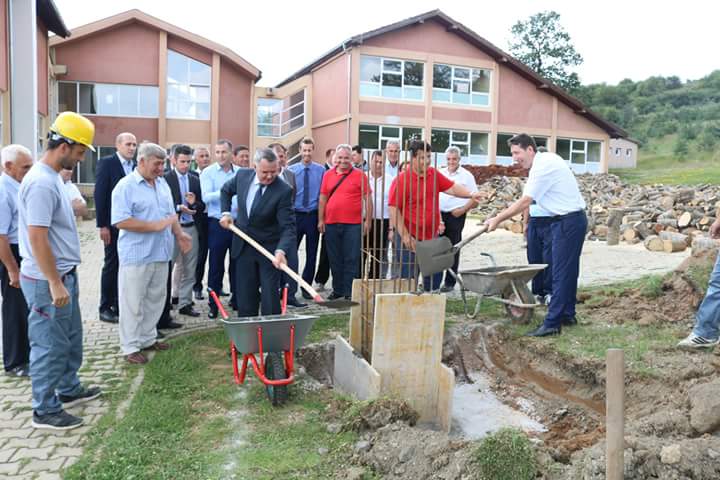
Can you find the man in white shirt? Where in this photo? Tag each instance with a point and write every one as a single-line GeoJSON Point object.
{"type": "Point", "coordinates": [392, 150]}
{"type": "Point", "coordinates": [552, 185]}
{"type": "Point", "coordinates": [79, 204]}
{"type": "Point", "coordinates": [454, 209]}
{"type": "Point", "coordinates": [376, 241]}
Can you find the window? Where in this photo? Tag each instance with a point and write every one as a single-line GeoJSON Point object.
{"type": "Point", "coordinates": [109, 99]}
{"type": "Point", "coordinates": [473, 145]}
{"type": "Point", "coordinates": [85, 171]}
{"type": "Point", "coordinates": [278, 117]}
{"type": "Point", "coordinates": [628, 152]}
{"type": "Point", "coordinates": [461, 85]}
{"type": "Point", "coordinates": [374, 137]}
{"type": "Point", "coordinates": [617, 151]}
{"type": "Point", "coordinates": [583, 155]}
{"type": "Point", "coordinates": [391, 78]}
{"type": "Point", "coordinates": [188, 89]}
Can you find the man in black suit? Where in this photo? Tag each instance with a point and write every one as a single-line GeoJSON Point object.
{"type": "Point", "coordinates": [265, 213]}
{"type": "Point", "coordinates": [202, 159]}
{"type": "Point", "coordinates": [109, 171]}
{"type": "Point", "coordinates": [187, 198]}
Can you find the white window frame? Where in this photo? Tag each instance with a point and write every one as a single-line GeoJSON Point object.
{"type": "Point", "coordinates": [388, 138]}
{"type": "Point", "coordinates": [580, 146]}
{"type": "Point", "coordinates": [281, 125]}
{"type": "Point", "coordinates": [77, 98]}
{"type": "Point", "coordinates": [401, 73]}
{"type": "Point", "coordinates": [472, 158]}
{"type": "Point", "coordinates": [190, 84]}
{"type": "Point", "coordinates": [451, 90]}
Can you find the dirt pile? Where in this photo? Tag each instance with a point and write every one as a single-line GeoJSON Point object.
{"type": "Point", "coordinates": [378, 413]}
{"type": "Point", "coordinates": [318, 360]}
{"type": "Point", "coordinates": [484, 173]}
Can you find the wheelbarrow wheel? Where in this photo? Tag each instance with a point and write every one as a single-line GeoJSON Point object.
{"type": "Point", "coordinates": [275, 370]}
{"type": "Point", "coordinates": [519, 314]}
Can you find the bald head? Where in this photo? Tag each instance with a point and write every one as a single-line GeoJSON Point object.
{"type": "Point", "coordinates": [126, 145]}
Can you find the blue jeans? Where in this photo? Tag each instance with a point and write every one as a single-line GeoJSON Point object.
{"type": "Point", "coordinates": [56, 343]}
{"type": "Point", "coordinates": [539, 250]}
{"type": "Point", "coordinates": [343, 244]}
{"type": "Point", "coordinates": [707, 319]}
{"type": "Point", "coordinates": [409, 268]}
{"type": "Point", "coordinates": [306, 224]}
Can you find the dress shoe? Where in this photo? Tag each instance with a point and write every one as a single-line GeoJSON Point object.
{"type": "Point", "coordinates": [199, 295]}
{"type": "Point", "coordinates": [334, 296]}
{"type": "Point", "coordinates": [172, 324]}
{"type": "Point", "coordinates": [158, 346]}
{"type": "Point", "coordinates": [446, 289]}
{"type": "Point", "coordinates": [19, 371]}
{"type": "Point", "coordinates": [189, 311]}
{"type": "Point", "coordinates": [213, 312]}
{"type": "Point", "coordinates": [569, 321]}
{"type": "Point", "coordinates": [543, 331]}
{"type": "Point", "coordinates": [136, 358]}
{"type": "Point", "coordinates": [109, 316]}
{"type": "Point", "coordinates": [223, 294]}
{"type": "Point", "coordinates": [306, 295]}
{"type": "Point", "coordinates": [160, 334]}
{"type": "Point", "coordinates": [294, 302]}
{"type": "Point", "coordinates": [174, 300]}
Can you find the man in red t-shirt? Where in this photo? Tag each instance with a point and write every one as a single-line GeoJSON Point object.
{"type": "Point", "coordinates": [415, 209]}
{"type": "Point", "coordinates": [344, 193]}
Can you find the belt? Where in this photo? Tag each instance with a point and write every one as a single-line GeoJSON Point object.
{"type": "Point", "coordinates": [188, 224]}
{"type": "Point", "coordinates": [298, 212]}
{"type": "Point", "coordinates": [72, 271]}
{"type": "Point", "coordinates": [558, 218]}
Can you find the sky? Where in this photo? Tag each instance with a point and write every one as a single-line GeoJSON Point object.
{"type": "Point", "coordinates": [618, 39]}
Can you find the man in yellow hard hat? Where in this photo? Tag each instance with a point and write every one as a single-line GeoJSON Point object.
{"type": "Point", "coordinates": [50, 249]}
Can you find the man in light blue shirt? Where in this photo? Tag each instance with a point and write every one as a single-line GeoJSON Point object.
{"type": "Point", "coordinates": [212, 180]}
{"type": "Point", "coordinates": [308, 178]}
{"type": "Point", "coordinates": [143, 211]}
{"type": "Point", "coordinates": [16, 161]}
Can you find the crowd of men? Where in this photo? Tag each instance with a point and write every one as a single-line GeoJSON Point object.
{"type": "Point", "coordinates": [164, 217]}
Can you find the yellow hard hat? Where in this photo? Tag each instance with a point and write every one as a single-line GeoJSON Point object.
{"type": "Point", "coordinates": [75, 128]}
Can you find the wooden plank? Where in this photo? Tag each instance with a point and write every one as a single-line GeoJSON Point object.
{"type": "Point", "coordinates": [407, 349]}
{"type": "Point", "coordinates": [615, 416]}
{"type": "Point", "coordinates": [352, 374]}
{"type": "Point", "coordinates": [446, 385]}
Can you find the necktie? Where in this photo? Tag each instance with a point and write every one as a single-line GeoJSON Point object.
{"type": "Point", "coordinates": [256, 199]}
{"type": "Point", "coordinates": [306, 188]}
{"type": "Point", "coordinates": [183, 186]}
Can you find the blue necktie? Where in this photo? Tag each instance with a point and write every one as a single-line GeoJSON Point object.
{"type": "Point", "coordinates": [256, 199]}
{"type": "Point", "coordinates": [306, 188]}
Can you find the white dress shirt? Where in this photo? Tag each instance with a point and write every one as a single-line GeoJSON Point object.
{"type": "Point", "coordinates": [448, 203]}
{"type": "Point", "coordinates": [553, 185]}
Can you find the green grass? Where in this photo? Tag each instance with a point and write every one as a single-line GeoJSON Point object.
{"type": "Point", "coordinates": [326, 327]}
{"type": "Point", "coordinates": [506, 455]}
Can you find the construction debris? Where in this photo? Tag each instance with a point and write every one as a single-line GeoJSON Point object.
{"type": "Point", "coordinates": [665, 218]}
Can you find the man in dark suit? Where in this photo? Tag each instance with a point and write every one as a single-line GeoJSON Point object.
{"type": "Point", "coordinates": [265, 213]}
{"type": "Point", "coordinates": [187, 198]}
{"type": "Point", "coordinates": [202, 159]}
{"type": "Point", "coordinates": [109, 171]}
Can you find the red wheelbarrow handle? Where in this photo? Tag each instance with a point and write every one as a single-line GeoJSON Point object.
{"type": "Point", "coordinates": [219, 305]}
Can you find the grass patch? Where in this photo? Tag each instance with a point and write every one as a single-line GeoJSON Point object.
{"type": "Point", "coordinates": [326, 327]}
{"type": "Point", "coordinates": [506, 455]}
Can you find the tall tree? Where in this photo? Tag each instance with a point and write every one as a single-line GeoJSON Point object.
{"type": "Point", "coordinates": [542, 44]}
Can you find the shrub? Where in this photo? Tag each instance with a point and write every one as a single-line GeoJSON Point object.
{"type": "Point", "coordinates": [506, 455]}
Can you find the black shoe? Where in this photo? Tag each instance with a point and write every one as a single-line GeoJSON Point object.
{"type": "Point", "coordinates": [447, 289]}
{"type": "Point", "coordinates": [348, 297]}
{"type": "Point", "coordinates": [199, 295]}
{"type": "Point", "coordinates": [306, 295]}
{"type": "Point", "coordinates": [172, 324]}
{"type": "Point", "coordinates": [19, 371]}
{"type": "Point", "coordinates": [56, 421]}
{"type": "Point", "coordinates": [223, 294]}
{"type": "Point", "coordinates": [213, 312]}
{"type": "Point", "coordinates": [189, 311]}
{"type": "Point", "coordinates": [174, 300]}
{"type": "Point", "coordinates": [160, 334]}
{"type": "Point", "coordinates": [85, 395]}
{"type": "Point", "coordinates": [543, 331]}
{"type": "Point", "coordinates": [294, 302]}
{"type": "Point", "coordinates": [334, 296]}
{"type": "Point", "coordinates": [569, 322]}
{"type": "Point", "coordinates": [109, 316]}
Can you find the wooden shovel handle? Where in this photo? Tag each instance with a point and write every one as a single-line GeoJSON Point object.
{"type": "Point", "coordinates": [316, 296]}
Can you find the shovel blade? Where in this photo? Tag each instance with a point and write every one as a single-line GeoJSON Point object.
{"type": "Point", "coordinates": [339, 304]}
{"type": "Point", "coordinates": [434, 256]}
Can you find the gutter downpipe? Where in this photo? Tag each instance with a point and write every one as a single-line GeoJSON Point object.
{"type": "Point", "coordinates": [349, 91]}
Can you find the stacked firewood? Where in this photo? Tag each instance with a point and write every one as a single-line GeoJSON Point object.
{"type": "Point", "coordinates": [663, 217]}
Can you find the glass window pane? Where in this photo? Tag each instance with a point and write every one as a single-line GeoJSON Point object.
{"type": "Point", "coordinates": [106, 99]}
{"type": "Point", "coordinates": [463, 73]}
{"type": "Point", "coordinates": [369, 69]}
{"type": "Point", "coordinates": [177, 68]}
{"type": "Point", "coordinates": [265, 130]}
{"type": "Point", "coordinates": [440, 140]}
{"type": "Point", "coordinates": [459, 136]}
{"type": "Point", "coordinates": [481, 99]}
{"type": "Point", "coordinates": [413, 74]}
{"type": "Point", "coordinates": [369, 89]}
{"type": "Point", "coordinates": [67, 97]}
{"type": "Point", "coordinates": [200, 73]}
{"type": "Point", "coordinates": [541, 141]}
{"type": "Point", "coordinates": [391, 132]}
{"type": "Point", "coordinates": [479, 143]}
{"type": "Point", "coordinates": [481, 80]}
{"type": "Point", "coordinates": [297, 97]}
{"type": "Point", "coordinates": [296, 123]}
{"type": "Point", "coordinates": [413, 93]}
{"type": "Point", "coordinates": [578, 146]}
{"type": "Point", "coordinates": [462, 98]}
{"type": "Point", "coordinates": [463, 148]}
{"type": "Point", "coordinates": [461, 86]}
{"type": "Point", "coordinates": [391, 80]}
{"type": "Point", "coordinates": [411, 133]}
{"type": "Point", "coordinates": [202, 111]}
{"type": "Point", "coordinates": [578, 158]}
{"type": "Point", "coordinates": [87, 98]}
{"type": "Point", "coordinates": [593, 151]}
{"type": "Point", "coordinates": [391, 92]}
{"type": "Point", "coordinates": [369, 136]}
{"type": "Point", "coordinates": [297, 110]}
{"type": "Point", "coordinates": [392, 66]}
{"type": "Point", "coordinates": [199, 94]}
{"type": "Point", "coordinates": [128, 97]}
{"type": "Point", "coordinates": [86, 169]}
{"type": "Point", "coordinates": [441, 95]}
{"type": "Point", "coordinates": [442, 76]}
{"type": "Point", "coordinates": [503, 149]}
{"type": "Point", "coordinates": [562, 148]}
{"type": "Point", "coordinates": [149, 100]}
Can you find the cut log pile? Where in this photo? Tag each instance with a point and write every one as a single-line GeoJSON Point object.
{"type": "Point", "coordinates": [664, 218]}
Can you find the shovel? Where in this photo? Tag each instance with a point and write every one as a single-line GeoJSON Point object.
{"type": "Point", "coordinates": [339, 304]}
{"type": "Point", "coordinates": [436, 255]}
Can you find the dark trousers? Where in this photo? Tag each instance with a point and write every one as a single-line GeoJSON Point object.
{"type": "Point", "coordinates": [219, 243]}
{"type": "Point", "coordinates": [323, 269]}
{"type": "Point", "coordinates": [307, 226]}
{"type": "Point", "coordinates": [539, 250]}
{"type": "Point", "coordinates": [567, 235]}
{"type": "Point", "coordinates": [202, 225]}
{"type": "Point", "coordinates": [453, 230]}
{"type": "Point", "coordinates": [257, 282]}
{"type": "Point", "coordinates": [109, 275]}
{"type": "Point", "coordinates": [343, 242]}
{"type": "Point", "coordinates": [16, 347]}
{"type": "Point", "coordinates": [376, 244]}
{"type": "Point", "coordinates": [166, 318]}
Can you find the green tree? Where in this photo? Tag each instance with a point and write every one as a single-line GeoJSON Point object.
{"type": "Point", "coordinates": [681, 148]}
{"type": "Point", "coordinates": [543, 45]}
